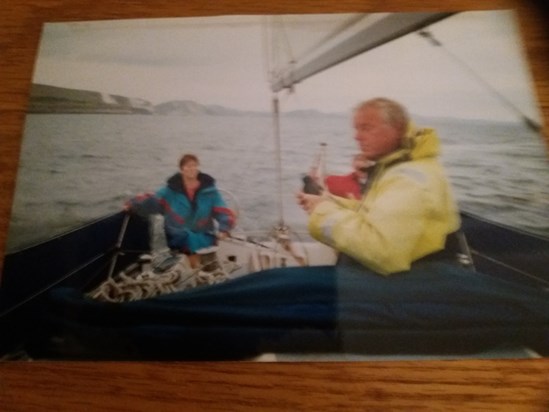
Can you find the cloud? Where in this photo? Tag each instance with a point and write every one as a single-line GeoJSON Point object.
{"type": "Point", "coordinates": [154, 44]}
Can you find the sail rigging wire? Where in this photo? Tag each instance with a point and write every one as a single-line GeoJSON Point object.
{"type": "Point", "coordinates": [283, 57]}
{"type": "Point", "coordinates": [286, 42]}
{"type": "Point", "coordinates": [428, 35]}
{"type": "Point", "coordinates": [269, 54]}
{"type": "Point", "coordinates": [276, 46]}
{"type": "Point", "coordinates": [267, 51]}
{"type": "Point", "coordinates": [58, 281]}
{"type": "Point", "coordinates": [509, 267]}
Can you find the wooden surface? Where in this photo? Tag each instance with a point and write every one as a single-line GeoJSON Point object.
{"type": "Point", "coordinates": [521, 385]}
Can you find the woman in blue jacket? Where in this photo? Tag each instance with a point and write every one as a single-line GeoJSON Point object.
{"type": "Point", "coordinates": [190, 203]}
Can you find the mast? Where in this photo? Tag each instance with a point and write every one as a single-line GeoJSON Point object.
{"type": "Point", "coordinates": [276, 133]}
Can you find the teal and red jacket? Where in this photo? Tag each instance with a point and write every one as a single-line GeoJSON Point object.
{"type": "Point", "coordinates": [188, 224]}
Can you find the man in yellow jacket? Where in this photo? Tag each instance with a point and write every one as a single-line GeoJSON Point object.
{"type": "Point", "coordinates": [408, 209]}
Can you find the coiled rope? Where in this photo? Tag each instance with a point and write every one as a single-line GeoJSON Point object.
{"type": "Point", "coordinates": [144, 281]}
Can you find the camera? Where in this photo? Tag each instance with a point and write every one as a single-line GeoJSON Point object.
{"type": "Point", "coordinates": [310, 186]}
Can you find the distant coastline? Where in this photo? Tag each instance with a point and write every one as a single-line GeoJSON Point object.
{"type": "Point", "coordinates": [46, 99]}
{"type": "Point", "coordinates": [53, 99]}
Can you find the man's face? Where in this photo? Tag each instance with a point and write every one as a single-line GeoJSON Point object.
{"type": "Point", "coordinates": [375, 137]}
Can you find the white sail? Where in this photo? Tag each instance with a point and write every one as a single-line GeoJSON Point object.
{"type": "Point", "coordinates": [312, 44]}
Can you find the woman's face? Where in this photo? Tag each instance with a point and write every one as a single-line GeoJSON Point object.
{"type": "Point", "coordinates": [190, 169]}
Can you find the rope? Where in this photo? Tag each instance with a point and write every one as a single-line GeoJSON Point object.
{"type": "Point", "coordinates": [135, 284]}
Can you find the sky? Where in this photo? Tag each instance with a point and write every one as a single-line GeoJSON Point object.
{"type": "Point", "coordinates": [223, 60]}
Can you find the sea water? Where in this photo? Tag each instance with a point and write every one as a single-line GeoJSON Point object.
{"type": "Point", "coordinates": [76, 168]}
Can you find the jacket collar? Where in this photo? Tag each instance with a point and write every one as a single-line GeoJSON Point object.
{"type": "Point", "coordinates": [417, 144]}
{"type": "Point", "coordinates": [175, 182]}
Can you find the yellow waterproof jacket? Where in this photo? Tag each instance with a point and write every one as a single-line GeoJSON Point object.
{"type": "Point", "coordinates": [405, 215]}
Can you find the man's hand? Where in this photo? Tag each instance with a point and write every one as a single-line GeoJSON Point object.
{"type": "Point", "coordinates": [309, 202]}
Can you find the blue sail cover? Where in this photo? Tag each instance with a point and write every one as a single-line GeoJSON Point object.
{"type": "Point", "coordinates": [435, 308]}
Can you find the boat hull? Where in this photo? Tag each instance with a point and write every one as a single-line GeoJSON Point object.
{"type": "Point", "coordinates": [78, 261]}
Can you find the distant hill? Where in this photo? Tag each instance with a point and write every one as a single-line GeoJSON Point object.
{"type": "Point", "coordinates": [312, 113]}
{"type": "Point", "coordinates": [190, 107]}
{"type": "Point", "coordinates": [52, 99]}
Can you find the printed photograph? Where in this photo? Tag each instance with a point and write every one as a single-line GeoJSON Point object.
{"type": "Point", "coordinates": [323, 187]}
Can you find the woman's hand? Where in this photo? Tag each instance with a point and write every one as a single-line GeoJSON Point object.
{"type": "Point", "coordinates": [222, 235]}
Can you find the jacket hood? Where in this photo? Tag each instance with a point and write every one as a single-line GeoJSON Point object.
{"type": "Point", "coordinates": [421, 143]}
{"type": "Point", "coordinates": [417, 144]}
{"type": "Point", "coordinates": [175, 182]}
